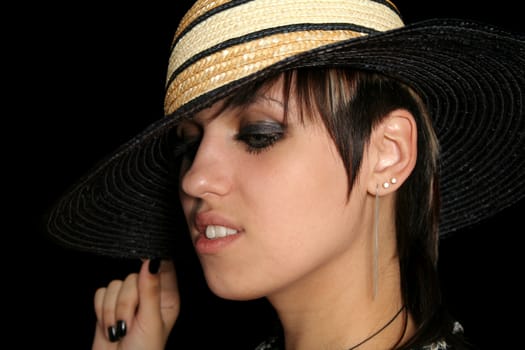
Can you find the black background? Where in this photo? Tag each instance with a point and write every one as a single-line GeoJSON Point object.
{"type": "Point", "coordinates": [87, 77]}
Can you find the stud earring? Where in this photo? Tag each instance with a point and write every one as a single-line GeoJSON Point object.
{"type": "Point", "coordinates": [393, 181]}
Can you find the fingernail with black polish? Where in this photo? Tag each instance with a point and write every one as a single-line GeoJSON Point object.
{"type": "Point", "coordinates": [154, 265]}
{"type": "Point", "coordinates": [112, 332]}
{"type": "Point", "coordinates": [121, 328]}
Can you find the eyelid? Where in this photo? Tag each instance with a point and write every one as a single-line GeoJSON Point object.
{"type": "Point", "coordinates": [186, 136]}
{"type": "Point", "coordinates": [260, 135]}
{"type": "Point", "coordinates": [183, 146]}
{"type": "Point", "coordinates": [262, 126]}
{"type": "Point", "coordinates": [187, 130]}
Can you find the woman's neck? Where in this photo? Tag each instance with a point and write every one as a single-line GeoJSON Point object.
{"type": "Point", "coordinates": [333, 307]}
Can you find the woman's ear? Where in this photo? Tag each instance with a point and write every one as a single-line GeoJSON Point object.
{"type": "Point", "coordinates": [392, 151]}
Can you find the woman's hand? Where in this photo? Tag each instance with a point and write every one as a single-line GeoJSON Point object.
{"type": "Point", "coordinates": [139, 312]}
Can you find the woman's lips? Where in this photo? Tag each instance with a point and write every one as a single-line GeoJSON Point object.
{"type": "Point", "coordinates": [214, 232]}
{"type": "Point", "coordinates": [204, 245]}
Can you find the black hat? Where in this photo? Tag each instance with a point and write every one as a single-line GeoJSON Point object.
{"type": "Point", "coordinates": [470, 75]}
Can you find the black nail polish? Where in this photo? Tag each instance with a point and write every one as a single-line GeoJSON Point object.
{"type": "Point", "coordinates": [154, 265]}
{"type": "Point", "coordinates": [121, 328]}
{"type": "Point", "coordinates": [112, 332]}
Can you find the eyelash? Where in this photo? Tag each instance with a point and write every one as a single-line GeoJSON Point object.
{"type": "Point", "coordinates": [257, 138]}
{"type": "Point", "coordinates": [186, 148]}
{"type": "Point", "coordinates": [256, 144]}
{"type": "Point", "coordinates": [260, 136]}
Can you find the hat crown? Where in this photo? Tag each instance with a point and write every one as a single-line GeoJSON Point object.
{"type": "Point", "coordinates": [220, 41]}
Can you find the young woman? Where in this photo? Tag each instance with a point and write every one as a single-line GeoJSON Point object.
{"type": "Point", "coordinates": [318, 153]}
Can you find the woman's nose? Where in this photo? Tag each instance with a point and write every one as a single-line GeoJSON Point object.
{"type": "Point", "coordinates": [210, 171]}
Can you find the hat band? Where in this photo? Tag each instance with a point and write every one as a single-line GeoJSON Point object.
{"type": "Point", "coordinates": [239, 61]}
{"type": "Point", "coordinates": [213, 50]}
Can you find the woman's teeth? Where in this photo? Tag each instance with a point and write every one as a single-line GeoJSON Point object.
{"type": "Point", "coordinates": [215, 231]}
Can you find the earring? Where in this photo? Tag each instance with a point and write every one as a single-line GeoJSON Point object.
{"type": "Point", "coordinates": [393, 181]}
{"type": "Point", "coordinates": [376, 243]}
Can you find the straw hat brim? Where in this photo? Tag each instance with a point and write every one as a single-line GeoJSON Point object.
{"type": "Point", "coordinates": [470, 75]}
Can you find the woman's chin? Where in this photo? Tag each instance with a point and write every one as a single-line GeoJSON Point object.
{"type": "Point", "coordinates": [233, 290]}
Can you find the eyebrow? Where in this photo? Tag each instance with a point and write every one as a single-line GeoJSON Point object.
{"type": "Point", "coordinates": [266, 98]}
{"type": "Point", "coordinates": [257, 98]}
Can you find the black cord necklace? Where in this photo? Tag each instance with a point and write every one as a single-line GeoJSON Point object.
{"type": "Point", "coordinates": [379, 330]}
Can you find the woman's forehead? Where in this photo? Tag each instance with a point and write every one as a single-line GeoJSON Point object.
{"type": "Point", "coordinates": [270, 93]}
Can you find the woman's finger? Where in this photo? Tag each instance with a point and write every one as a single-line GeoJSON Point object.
{"type": "Point", "coordinates": [139, 312]}
{"type": "Point", "coordinates": [149, 295]}
{"type": "Point", "coordinates": [109, 307]}
{"type": "Point", "coordinates": [101, 340]}
{"type": "Point", "coordinates": [159, 299]}
{"type": "Point", "coordinates": [126, 305]}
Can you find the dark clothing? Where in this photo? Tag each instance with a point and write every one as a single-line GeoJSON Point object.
{"type": "Point", "coordinates": [276, 343]}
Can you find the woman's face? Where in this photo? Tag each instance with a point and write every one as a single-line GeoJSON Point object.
{"type": "Point", "coordinates": [266, 201]}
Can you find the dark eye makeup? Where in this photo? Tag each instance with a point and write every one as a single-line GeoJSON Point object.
{"type": "Point", "coordinates": [257, 136]}
{"type": "Point", "coordinates": [260, 136]}
{"type": "Point", "coordinates": [185, 141]}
